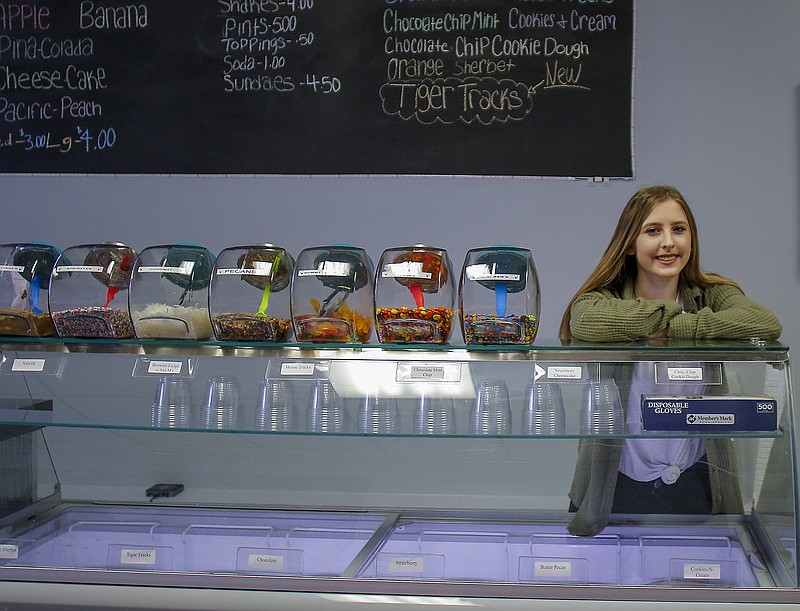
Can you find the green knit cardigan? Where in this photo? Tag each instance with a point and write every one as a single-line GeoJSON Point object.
{"type": "Point", "coordinates": [719, 311]}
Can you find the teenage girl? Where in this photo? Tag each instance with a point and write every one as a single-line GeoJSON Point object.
{"type": "Point", "coordinates": [649, 284]}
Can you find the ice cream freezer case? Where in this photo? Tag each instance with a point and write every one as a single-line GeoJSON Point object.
{"type": "Point", "coordinates": [221, 544]}
{"type": "Point", "coordinates": [436, 476]}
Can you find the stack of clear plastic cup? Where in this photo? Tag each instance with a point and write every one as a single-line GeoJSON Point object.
{"type": "Point", "coordinates": [172, 403]}
{"type": "Point", "coordinates": [601, 413]}
{"type": "Point", "coordinates": [378, 414]}
{"type": "Point", "coordinates": [274, 411]}
{"type": "Point", "coordinates": [221, 405]}
{"type": "Point", "coordinates": [434, 416]}
{"type": "Point", "coordinates": [491, 413]}
{"type": "Point", "coordinates": [326, 411]}
{"type": "Point", "coordinates": [543, 413]}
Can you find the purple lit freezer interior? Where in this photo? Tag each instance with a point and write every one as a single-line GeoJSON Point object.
{"type": "Point", "coordinates": [193, 540]}
{"type": "Point", "coordinates": [535, 553]}
{"type": "Point", "coordinates": [333, 544]}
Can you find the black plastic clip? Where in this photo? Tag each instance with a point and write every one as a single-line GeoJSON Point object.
{"type": "Point", "coordinates": [163, 490]}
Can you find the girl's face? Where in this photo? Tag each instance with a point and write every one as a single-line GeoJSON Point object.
{"type": "Point", "coordinates": [663, 246]}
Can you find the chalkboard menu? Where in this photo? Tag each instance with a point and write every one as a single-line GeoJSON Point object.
{"type": "Point", "coordinates": [424, 87]}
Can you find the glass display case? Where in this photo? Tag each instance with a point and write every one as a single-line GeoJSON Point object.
{"type": "Point", "coordinates": [440, 472]}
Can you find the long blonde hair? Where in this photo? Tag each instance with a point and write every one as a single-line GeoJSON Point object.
{"type": "Point", "coordinates": [616, 266]}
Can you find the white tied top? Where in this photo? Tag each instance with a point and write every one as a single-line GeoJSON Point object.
{"type": "Point", "coordinates": [645, 460]}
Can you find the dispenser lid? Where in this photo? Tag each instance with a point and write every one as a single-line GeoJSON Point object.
{"type": "Point", "coordinates": [116, 261]}
{"type": "Point", "coordinates": [195, 263]}
{"type": "Point", "coordinates": [507, 267]}
{"type": "Point", "coordinates": [342, 269]}
{"type": "Point", "coordinates": [429, 272]}
{"type": "Point", "coordinates": [37, 260]}
{"type": "Point", "coordinates": [280, 267]}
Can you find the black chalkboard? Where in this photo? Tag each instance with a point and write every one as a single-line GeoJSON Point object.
{"type": "Point", "coordinates": [428, 87]}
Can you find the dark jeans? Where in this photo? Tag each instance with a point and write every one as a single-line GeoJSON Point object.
{"type": "Point", "coordinates": [691, 494]}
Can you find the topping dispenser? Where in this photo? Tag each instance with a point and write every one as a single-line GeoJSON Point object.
{"type": "Point", "coordinates": [414, 295]}
{"type": "Point", "coordinates": [168, 293]}
{"type": "Point", "coordinates": [84, 291]}
{"type": "Point", "coordinates": [332, 295]}
{"type": "Point", "coordinates": [499, 296]}
{"type": "Point", "coordinates": [250, 294]}
{"type": "Point", "coordinates": [24, 279]}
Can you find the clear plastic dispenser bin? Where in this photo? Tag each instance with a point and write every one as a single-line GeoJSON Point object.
{"type": "Point", "coordinates": [24, 279]}
{"type": "Point", "coordinates": [85, 287]}
{"type": "Point", "coordinates": [332, 295]}
{"type": "Point", "coordinates": [414, 296]}
{"type": "Point", "coordinates": [168, 294]}
{"type": "Point", "coordinates": [250, 294]}
{"type": "Point", "coordinates": [498, 296]}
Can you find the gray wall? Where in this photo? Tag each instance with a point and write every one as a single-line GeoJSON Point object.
{"type": "Point", "coordinates": [717, 92]}
{"type": "Point", "coordinates": [717, 95]}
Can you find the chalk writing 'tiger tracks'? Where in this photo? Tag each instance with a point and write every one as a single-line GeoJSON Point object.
{"type": "Point", "coordinates": [452, 99]}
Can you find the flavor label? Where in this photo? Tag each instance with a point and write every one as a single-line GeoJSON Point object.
{"type": "Point", "coordinates": [28, 365]}
{"type": "Point", "coordinates": [164, 367]}
{"type": "Point", "coordinates": [297, 369]}
{"type": "Point", "coordinates": [184, 268]}
{"type": "Point", "coordinates": [564, 373]}
{"type": "Point", "coordinates": [269, 560]}
{"type": "Point", "coordinates": [265, 562]}
{"type": "Point", "coordinates": [702, 570]}
{"type": "Point", "coordinates": [406, 269]}
{"type": "Point", "coordinates": [405, 565]}
{"type": "Point", "coordinates": [428, 372]}
{"type": "Point", "coordinates": [8, 552]}
{"type": "Point", "coordinates": [484, 272]}
{"type": "Point", "coordinates": [339, 269]}
{"type": "Point", "coordinates": [94, 269]}
{"type": "Point", "coordinates": [552, 568]}
{"type": "Point", "coordinates": [137, 556]}
{"type": "Point", "coordinates": [260, 268]}
{"type": "Point", "coordinates": [674, 372]}
{"type": "Point", "coordinates": [685, 374]}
